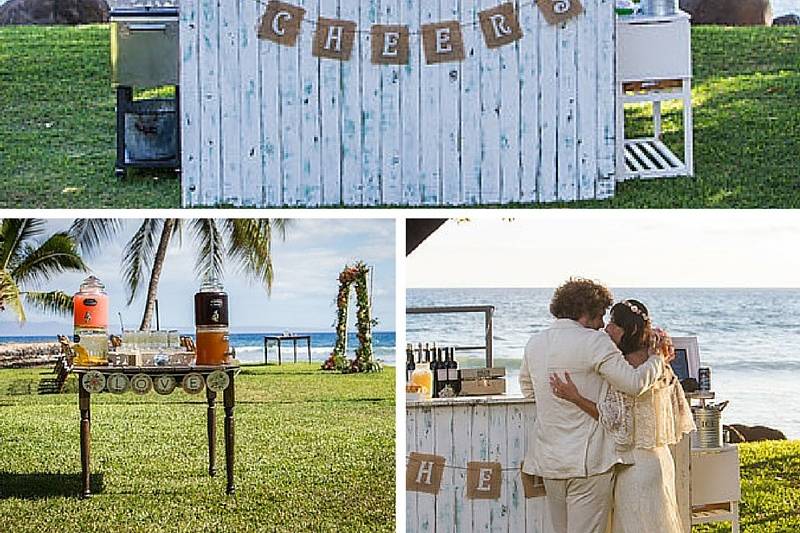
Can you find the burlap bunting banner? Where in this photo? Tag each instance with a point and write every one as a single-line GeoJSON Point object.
{"type": "Point", "coordinates": [442, 42]}
{"type": "Point", "coordinates": [484, 480]}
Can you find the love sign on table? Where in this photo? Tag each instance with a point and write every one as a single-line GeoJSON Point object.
{"type": "Point", "coordinates": [442, 42]}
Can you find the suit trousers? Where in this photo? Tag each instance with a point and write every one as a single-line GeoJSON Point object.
{"type": "Point", "coordinates": [580, 505]}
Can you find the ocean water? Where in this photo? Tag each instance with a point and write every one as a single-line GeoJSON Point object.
{"type": "Point", "coordinates": [250, 346]}
{"type": "Point", "coordinates": [749, 337]}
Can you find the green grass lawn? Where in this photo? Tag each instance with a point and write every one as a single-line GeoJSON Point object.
{"type": "Point", "coordinates": [314, 452]}
{"type": "Point", "coordinates": [57, 125]}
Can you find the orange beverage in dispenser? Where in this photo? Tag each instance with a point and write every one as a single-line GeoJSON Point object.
{"type": "Point", "coordinates": [423, 377]}
{"type": "Point", "coordinates": [90, 306]}
{"type": "Point", "coordinates": [212, 346]}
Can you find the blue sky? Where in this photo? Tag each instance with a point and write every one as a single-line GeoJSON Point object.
{"type": "Point", "coordinates": [306, 267]}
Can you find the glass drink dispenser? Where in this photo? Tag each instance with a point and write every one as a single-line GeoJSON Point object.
{"type": "Point", "coordinates": [90, 319]}
{"type": "Point", "coordinates": [211, 323]}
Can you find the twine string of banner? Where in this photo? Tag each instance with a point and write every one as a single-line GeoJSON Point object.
{"type": "Point", "coordinates": [413, 460]}
{"type": "Point", "coordinates": [559, 6]}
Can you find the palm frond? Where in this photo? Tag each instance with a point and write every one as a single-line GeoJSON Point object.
{"type": "Point", "coordinates": [92, 233]}
{"type": "Point", "coordinates": [53, 302]}
{"type": "Point", "coordinates": [137, 257]}
{"type": "Point", "coordinates": [56, 255]}
{"type": "Point", "coordinates": [9, 295]}
{"type": "Point", "coordinates": [209, 260]}
{"type": "Point", "coordinates": [14, 232]}
{"type": "Point", "coordinates": [250, 247]}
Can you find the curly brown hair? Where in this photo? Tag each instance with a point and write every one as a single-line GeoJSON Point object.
{"type": "Point", "coordinates": [579, 297]}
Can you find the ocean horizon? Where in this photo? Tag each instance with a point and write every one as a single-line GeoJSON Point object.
{"type": "Point", "coordinates": [750, 338]}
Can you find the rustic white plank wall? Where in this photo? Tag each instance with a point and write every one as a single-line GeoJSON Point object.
{"type": "Point", "coordinates": [463, 433]}
{"type": "Point", "coordinates": [268, 125]}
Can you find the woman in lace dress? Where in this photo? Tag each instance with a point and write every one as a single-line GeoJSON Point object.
{"type": "Point", "coordinates": [645, 426]}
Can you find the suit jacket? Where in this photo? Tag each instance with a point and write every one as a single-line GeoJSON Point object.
{"type": "Point", "coordinates": [565, 442]}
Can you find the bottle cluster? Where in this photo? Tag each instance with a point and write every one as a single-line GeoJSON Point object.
{"type": "Point", "coordinates": [440, 361]}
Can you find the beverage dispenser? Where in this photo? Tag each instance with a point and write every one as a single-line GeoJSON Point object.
{"type": "Point", "coordinates": [90, 321]}
{"type": "Point", "coordinates": [211, 322]}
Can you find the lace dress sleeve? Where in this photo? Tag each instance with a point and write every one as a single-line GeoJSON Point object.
{"type": "Point", "coordinates": [616, 416]}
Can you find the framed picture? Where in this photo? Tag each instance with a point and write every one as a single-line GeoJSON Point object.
{"type": "Point", "coordinates": [687, 357]}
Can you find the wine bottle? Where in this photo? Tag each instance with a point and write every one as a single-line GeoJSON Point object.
{"type": "Point", "coordinates": [435, 372]}
{"type": "Point", "coordinates": [410, 366]}
{"type": "Point", "coordinates": [452, 371]}
{"type": "Point", "coordinates": [441, 370]}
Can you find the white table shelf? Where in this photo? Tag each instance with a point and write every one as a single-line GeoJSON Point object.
{"type": "Point", "coordinates": [654, 65]}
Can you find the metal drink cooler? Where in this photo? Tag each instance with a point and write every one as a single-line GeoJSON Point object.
{"type": "Point", "coordinates": [144, 54]}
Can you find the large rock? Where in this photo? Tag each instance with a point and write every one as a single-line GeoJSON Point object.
{"type": "Point", "coordinates": [740, 433]}
{"type": "Point", "coordinates": [787, 20]}
{"type": "Point", "coordinates": [53, 12]}
{"type": "Point", "coordinates": [729, 12]}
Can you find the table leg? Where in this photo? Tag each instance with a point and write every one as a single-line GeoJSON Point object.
{"type": "Point", "coordinates": [84, 399]}
{"type": "Point", "coordinates": [279, 352]}
{"type": "Point", "coordinates": [211, 423]}
{"type": "Point", "coordinates": [229, 400]}
{"type": "Point", "coordinates": [266, 352]}
{"type": "Point", "coordinates": [308, 341]}
{"type": "Point", "coordinates": [294, 346]}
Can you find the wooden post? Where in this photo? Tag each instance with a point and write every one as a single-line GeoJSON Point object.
{"type": "Point", "coordinates": [279, 351]}
{"type": "Point", "coordinates": [84, 400]}
{"type": "Point", "coordinates": [308, 342]}
{"type": "Point", "coordinates": [294, 347]}
{"type": "Point", "coordinates": [229, 399]}
{"type": "Point", "coordinates": [211, 423]}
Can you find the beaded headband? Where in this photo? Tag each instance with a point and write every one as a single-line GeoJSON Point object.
{"type": "Point", "coordinates": [635, 309]}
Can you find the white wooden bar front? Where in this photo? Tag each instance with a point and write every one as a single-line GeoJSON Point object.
{"type": "Point", "coordinates": [268, 125]}
{"type": "Point", "coordinates": [490, 429]}
{"type": "Point", "coordinates": [473, 429]}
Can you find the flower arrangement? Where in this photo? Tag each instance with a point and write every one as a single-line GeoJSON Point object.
{"type": "Point", "coordinates": [355, 275]}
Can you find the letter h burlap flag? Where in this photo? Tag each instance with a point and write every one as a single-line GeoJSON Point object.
{"type": "Point", "coordinates": [424, 472]}
{"type": "Point", "coordinates": [281, 23]}
{"type": "Point", "coordinates": [334, 39]}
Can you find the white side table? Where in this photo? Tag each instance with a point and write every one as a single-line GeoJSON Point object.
{"type": "Point", "coordinates": [654, 64]}
{"type": "Point", "coordinates": [715, 486]}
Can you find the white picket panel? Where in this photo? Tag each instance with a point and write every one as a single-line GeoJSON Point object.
{"type": "Point", "coordinates": [465, 430]}
{"type": "Point", "coordinates": [269, 125]}
{"type": "Point", "coordinates": [230, 102]}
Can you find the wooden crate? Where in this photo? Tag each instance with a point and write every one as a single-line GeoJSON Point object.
{"type": "Point", "coordinates": [266, 125]}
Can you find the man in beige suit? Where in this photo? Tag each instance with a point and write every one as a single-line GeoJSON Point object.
{"type": "Point", "coordinates": [567, 447]}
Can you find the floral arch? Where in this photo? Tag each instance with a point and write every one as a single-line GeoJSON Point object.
{"type": "Point", "coordinates": [353, 277]}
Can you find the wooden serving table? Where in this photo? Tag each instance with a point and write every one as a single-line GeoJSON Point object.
{"type": "Point", "coordinates": [279, 339]}
{"type": "Point", "coordinates": [164, 380]}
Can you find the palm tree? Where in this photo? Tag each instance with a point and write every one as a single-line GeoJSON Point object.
{"type": "Point", "coordinates": [26, 261]}
{"type": "Point", "coordinates": [244, 242]}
